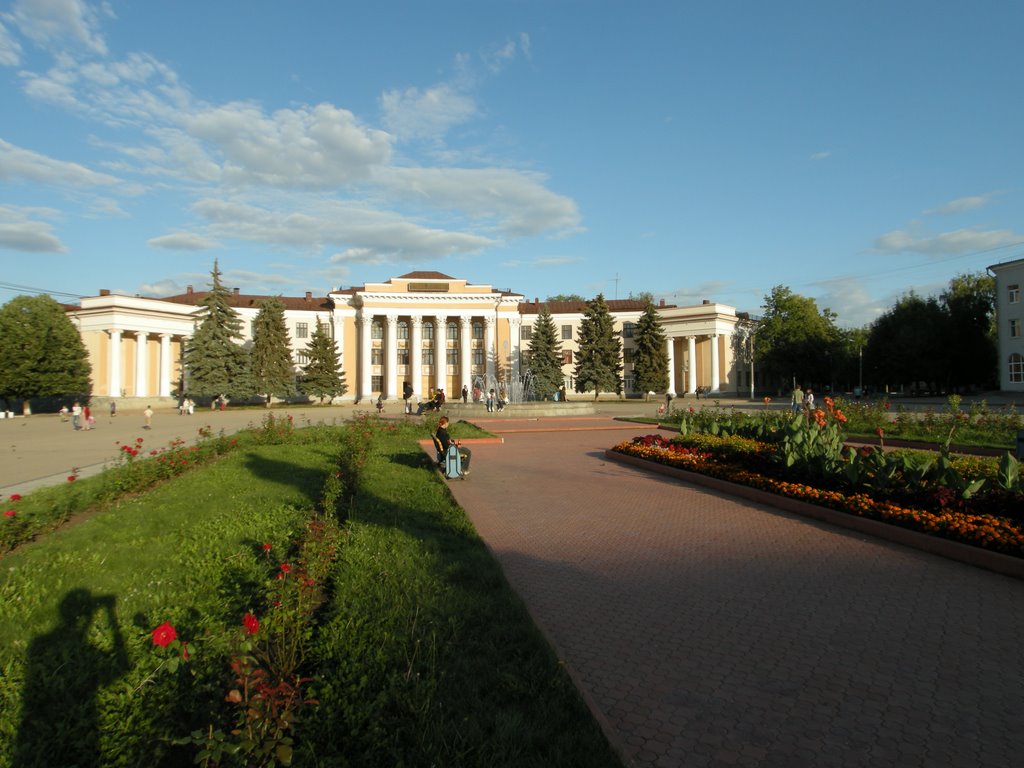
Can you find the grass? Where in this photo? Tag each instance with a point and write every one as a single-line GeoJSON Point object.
{"type": "Point", "coordinates": [420, 655]}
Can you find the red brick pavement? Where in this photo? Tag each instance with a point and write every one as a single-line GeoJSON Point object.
{"type": "Point", "coordinates": [709, 631]}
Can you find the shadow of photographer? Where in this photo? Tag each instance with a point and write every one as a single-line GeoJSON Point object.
{"type": "Point", "coordinates": [64, 672]}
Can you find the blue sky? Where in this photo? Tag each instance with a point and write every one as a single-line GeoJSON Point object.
{"type": "Point", "coordinates": [852, 151]}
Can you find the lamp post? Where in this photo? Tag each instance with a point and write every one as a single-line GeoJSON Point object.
{"type": "Point", "coordinates": [860, 370]}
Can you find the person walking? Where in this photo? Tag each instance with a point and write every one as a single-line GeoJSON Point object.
{"type": "Point", "coordinates": [796, 402]}
{"type": "Point", "coordinates": [76, 416]}
{"type": "Point", "coordinates": [148, 413]}
{"type": "Point", "coordinates": [465, 394]}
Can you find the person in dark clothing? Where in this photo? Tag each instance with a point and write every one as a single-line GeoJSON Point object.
{"type": "Point", "coordinates": [445, 439]}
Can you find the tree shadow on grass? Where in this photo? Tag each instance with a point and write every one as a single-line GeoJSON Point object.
{"type": "Point", "coordinates": [65, 670]}
{"type": "Point", "coordinates": [308, 480]}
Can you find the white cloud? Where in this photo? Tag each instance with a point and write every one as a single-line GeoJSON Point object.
{"type": "Point", "coordinates": [414, 114]}
{"type": "Point", "coordinates": [822, 155]}
{"type": "Point", "coordinates": [848, 298]}
{"type": "Point", "coordinates": [960, 205]}
{"type": "Point", "coordinates": [17, 163]}
{"type": "Point", "coordinates": [52, 24]}
{"type": "Point", "coordinates": [544, 261]}
{"type": "Point", "coordinates": [182, 241]}
{"type": "Point", "coordinates": [957, 242]}
{"type": "Point", "coordinates": [312, 147]}
{"type": "Point", "coordinates": [20, 231]}
{"type": "Point", "coordinates": [353, 228]}
{"type": "Point", "coordinates": [10, 49]}
{"type": "Point", "coordinates": [160, 288]}
{"type": "Point", "coordinates": [515, 203]}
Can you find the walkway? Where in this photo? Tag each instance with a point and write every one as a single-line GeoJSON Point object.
{"type": "Point", "coordinates": [706, 631]}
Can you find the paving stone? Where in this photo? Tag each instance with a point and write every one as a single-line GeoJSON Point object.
{"type": "Point", "coordinates": [681, 611]}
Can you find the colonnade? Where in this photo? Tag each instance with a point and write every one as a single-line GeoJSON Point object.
{"type": "Point", "coordinates": [690, 364]}
{"type": "Point", "coordinates": [165, 370]}
{"type": "Point", "coordinates": [415, 344]}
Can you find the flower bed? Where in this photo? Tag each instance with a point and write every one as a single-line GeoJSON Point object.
{"type": "Point", "coordinates": [989, 532]}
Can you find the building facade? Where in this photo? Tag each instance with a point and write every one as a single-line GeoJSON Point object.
{"type": "Point", "coordinates": [429, 329]}
{"type": "Point", "coordinates": [1010, 323]}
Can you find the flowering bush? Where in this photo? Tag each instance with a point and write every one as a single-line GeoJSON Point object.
{"type": "Point", "coordinates": [946, 513]}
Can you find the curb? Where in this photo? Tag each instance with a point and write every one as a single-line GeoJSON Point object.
{"type": "Point", "coordinates": [952, 550]}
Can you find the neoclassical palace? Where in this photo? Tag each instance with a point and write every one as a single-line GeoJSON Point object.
{"type": "Point", "coordinates": [426, 328]}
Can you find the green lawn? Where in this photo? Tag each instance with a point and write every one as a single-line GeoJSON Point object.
{"type": "Point", "coordinates": [417, 652]}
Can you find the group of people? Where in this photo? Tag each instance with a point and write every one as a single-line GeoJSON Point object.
{"type": "Point", "coordinates": [186, 405]}
{"type": "Point", "coordinates": [81, 416]}
{"type": "Point", "coordinates": [802, 400]}
{"type": "Point", "coordinates": [496, 400]}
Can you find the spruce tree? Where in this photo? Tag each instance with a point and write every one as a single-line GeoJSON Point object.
{"type": "Point", "coordinates": [599, 360]}
{"type": "Point", "coordinates": [650, 358]}
{"type": "Point", "coordinates": [546, 376]}
{"type": "Point", "coordinates": [41, 352]}
{"type": "Point", "coordinates": [215, 360]}
{"type": "Point", "coordinates": [270, 359]}
{"type": "Point", "coordinates": [323, 377]}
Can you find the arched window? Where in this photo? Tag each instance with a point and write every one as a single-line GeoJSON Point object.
{"type": "Point", "coordinates": [403, 329]}
{"type": "Point", "coordinates": [478, 329]}
{"type": "Point", "coordinates": [1016, 368]}
{"type": "Point", "coordinates": [453, 331]}
{"type": "Point", "coordinates": [428, 330]}
{"type": "Point", "coordinates": [376, 330]}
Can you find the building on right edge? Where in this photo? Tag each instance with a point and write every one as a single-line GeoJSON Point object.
{"type": "Point", "coordinates": [1010, 323]}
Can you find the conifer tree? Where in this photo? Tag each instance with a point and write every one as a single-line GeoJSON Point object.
{"type": "Point", "coordinates": [323, 377]}
{"type": "Point", "coordinates": [41, 352]}
{"type": "Point", "coordinates": [650, 358]}
{"type": "Point", "coordinates": [599, 360]}
{"type": "Point", "coordinates": [270, 359]}
{"type": "Point", "coordinates": [546, 376]}
{"type": "Point", "coordinates": [216, 362]}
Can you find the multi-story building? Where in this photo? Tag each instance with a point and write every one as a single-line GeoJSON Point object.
{"type": "Point", "coordinates": [426, 328]}
{"type": "Point", "coordinates": [1010, 323]}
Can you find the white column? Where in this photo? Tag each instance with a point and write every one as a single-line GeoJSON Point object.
{"type": "Point", "coordinates": [513, 334]}
{"type": "Point", "coordinates": [165, 365]}
{"type": "Point", "coordinates": [416, 355]}
{"type": "Point", "coordinates": [714, 362]}
{"type": "Point", "coordinates": [691, 361]}
{"type": "Point", "coordinates": [670, 347]}
{"type": "Point", "coordinates": [465, 352]}
{"type": "Point", "coordinates": [364, 320]}
{"type": "Point", "coordinates": [141, 360]}
{"type": "Point", "coordinates": [441, 353]}
{"type": "Point", "coordinates": [490, 348]}
{"type": "Point", "coordinates": [114, 370]}
{"type": "Point", "coordinates": [390, 384]}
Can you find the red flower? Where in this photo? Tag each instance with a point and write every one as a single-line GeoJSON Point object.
{"type": "Point", "coordinates": [10, 513]}
{"type": "Point", "coordinates": [15, 497]}
{"type": "Point", "coordinates": [879, 431]}
{"type": "Point", "coordinates": [251, 624]}
{"type": "Point", "coordinates": [285, 568]}
{"type": "Point", "coordinates": [71, 478]}
{"type": "Point", "coordinates": [266, 547]}
{"type": "Point", "coordinates": [138, 440]}
{"type": "Point", "coordinates": [164, 635]}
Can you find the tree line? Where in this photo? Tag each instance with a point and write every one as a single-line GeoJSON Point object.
{"type": "Point", "coordinates": [942, 343]}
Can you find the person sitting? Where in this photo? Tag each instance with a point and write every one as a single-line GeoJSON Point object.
{"type": "Point", "coordinates": [444, 441]}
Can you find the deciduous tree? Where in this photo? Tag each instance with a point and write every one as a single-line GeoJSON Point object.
{"type": "Point", "coordinates": [41, 352]}
{"type": "Point", "coordinates": [795, 340]}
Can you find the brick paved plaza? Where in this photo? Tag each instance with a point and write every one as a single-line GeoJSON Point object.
{"type": "Point", "coordinates": [704, 630]}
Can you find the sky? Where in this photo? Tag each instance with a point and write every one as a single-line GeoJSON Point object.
{"type": "Point", "coordinates": [850, 151]}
